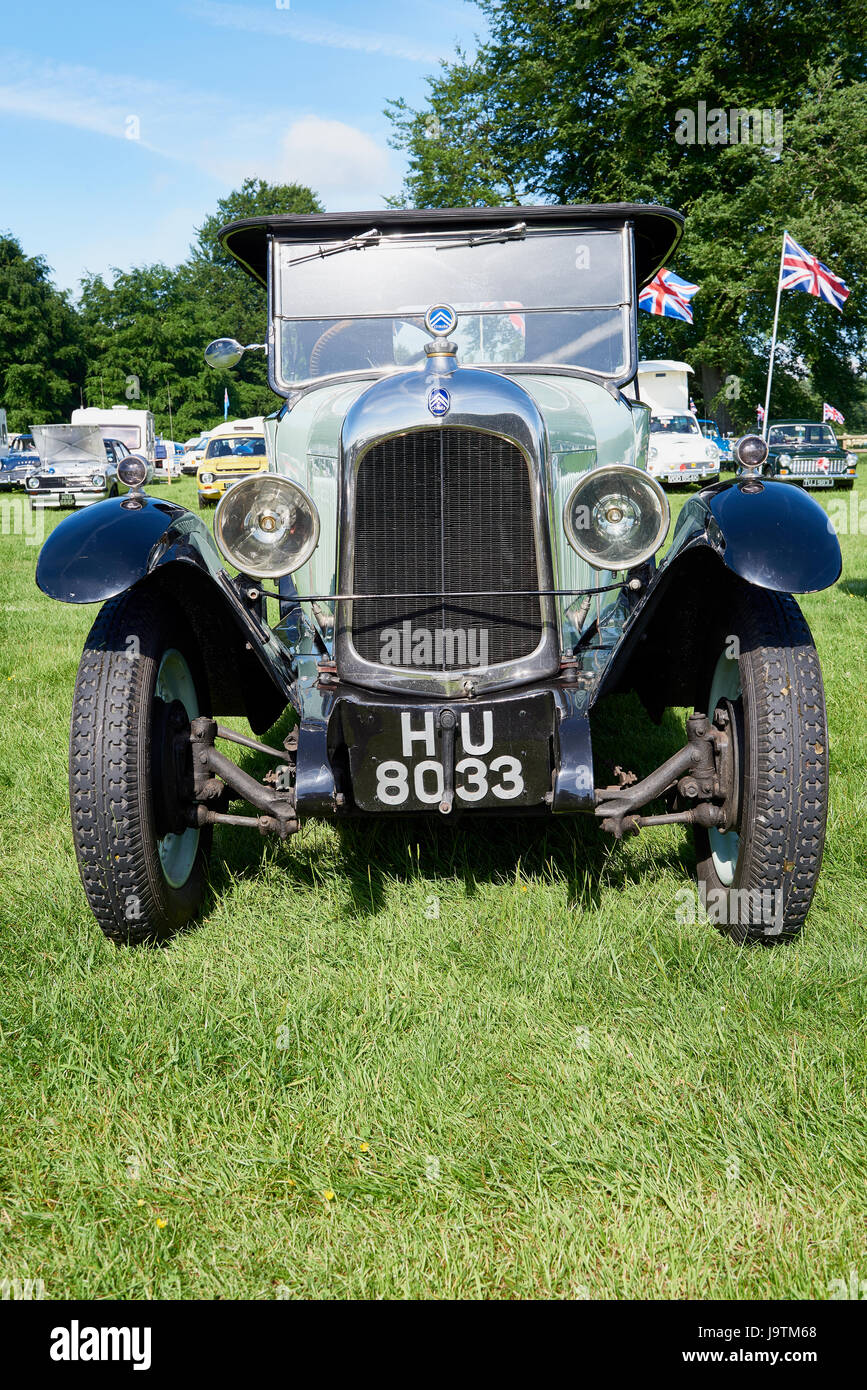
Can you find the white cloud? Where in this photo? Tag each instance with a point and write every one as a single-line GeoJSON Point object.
{"type": "Point", "coordinates": [342, 163]}
{"type": "Point", "coordinates": [285, 23]}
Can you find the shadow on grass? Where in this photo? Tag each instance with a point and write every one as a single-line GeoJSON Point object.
{"type": "Point", "coordinates": [374, 852]}
{"type": "Point", "coordinates": [856, 587]}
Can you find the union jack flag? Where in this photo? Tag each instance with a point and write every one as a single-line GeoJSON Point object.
{"type": "Point", "coordinates": [668, 295]}
{"type": "Point", "coordinates": [801, 271]}
{"type": "Point", "coordinates": [829, 413]}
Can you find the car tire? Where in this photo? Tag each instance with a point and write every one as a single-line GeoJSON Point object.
{"type": "Point", "coordinates": [142, 885]}
{"type": "Point", "coordinates": [760, 877]}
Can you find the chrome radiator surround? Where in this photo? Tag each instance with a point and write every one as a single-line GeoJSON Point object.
{"type": "Point", "coordinates": [396, 408]}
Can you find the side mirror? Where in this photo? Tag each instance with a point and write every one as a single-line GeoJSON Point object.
{"type": "Point", "coordinates": [223, 352]}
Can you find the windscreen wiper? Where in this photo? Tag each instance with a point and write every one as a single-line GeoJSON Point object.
{"type": "Point", "coordinates": [517, 232]}
{"type": "Point", "coordinates": [353, 243]}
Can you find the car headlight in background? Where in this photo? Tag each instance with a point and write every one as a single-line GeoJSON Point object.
{"type": "Point", "coordinates": [98, 480]}
{"type": "Point", "coordinates": [653, 451]}
{"type": "Point", "coordinates": [616, 516]}
{"type": "Point", "coordinates": [784, 460]}
{"type": "Point", "coordinates": [851, 460]}
{"type": "Point", "coordinates": [32, 483]}
{"type": "Point", "coordinates": [133, 471]}
{"type": "Point", "coordinates": [266, 526]}
{"type": "Point", "coordinates": [206, 479]}
{"type": "Point", "coordinates": [751, 451]}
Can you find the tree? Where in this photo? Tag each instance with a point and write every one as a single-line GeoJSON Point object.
{"type": "Point", "coordinates": [569, 102]}
{"type": "Point", "coordinates": [146, 331]}
{"type": "Point", "coordinates": [41, 359]}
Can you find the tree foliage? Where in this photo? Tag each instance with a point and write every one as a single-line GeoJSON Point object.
{"type": "Point", "coordinates": [41, 354]}
{"type": "Point", "coordinates": [145, 332]}
{"type": "Point", "coordinates": [582, 102]}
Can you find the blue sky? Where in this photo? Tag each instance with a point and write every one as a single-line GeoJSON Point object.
{"type": "Point", "coordinates": [121, 125]}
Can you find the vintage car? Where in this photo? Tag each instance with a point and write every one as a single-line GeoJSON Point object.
{"type": "Point", "coordinates": [77, 466]}
{"type": "Point", "coordinates": [711, 430]}
{"type": "Point", "coordinates": [234, 451]}
{"type": "Point", "coordinates": [808, 454]}
{"type": "Point", "coordinates": [193, 453]}
{"type": "Point", "coordinates": [464, 541]}
{"type": "Point", "coordinates": [679, 452]}
{"type": "Point", "coordinates": [21, 459]}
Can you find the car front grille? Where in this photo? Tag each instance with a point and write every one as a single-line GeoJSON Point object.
{"type": "Point", "coordinates": [806, 463]}
{"type": "Point", "coordinates": [445, 511]}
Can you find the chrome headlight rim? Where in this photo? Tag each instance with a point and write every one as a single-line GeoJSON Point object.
{"type": "Point", "coordinates": [98, 480]}
{"type": "Point", "coordinates": [206, 479]}
{"type": "Point", "coordinates": [132, 471]}
{"type": "Point", "coordinates": [230, 499]}
{"type": "Point", "coordinates": [618, 470]}
{"type": "Point", "coordinates": [741, 444]}
{"type": "Point", "coordinates": [31, 482]}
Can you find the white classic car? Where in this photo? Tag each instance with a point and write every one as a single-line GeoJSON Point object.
{"type": "Point", "coordinates": [679, 452]}
{"type": "Point", "coordinates": [75, 466]}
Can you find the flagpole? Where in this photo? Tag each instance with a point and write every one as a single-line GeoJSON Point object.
{"type": "Point", "coordinates": [773, 341]}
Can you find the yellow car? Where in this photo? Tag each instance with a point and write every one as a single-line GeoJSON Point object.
{"type": "Point", "coordinates": [234, 451]}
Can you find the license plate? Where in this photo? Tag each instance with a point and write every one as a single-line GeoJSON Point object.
{"type": "Point", "coordinates": [399, 759]}
{"type": "Point", "coordinates": [818, 482]}
{"type": "Point", "coordinates": [67, 499]}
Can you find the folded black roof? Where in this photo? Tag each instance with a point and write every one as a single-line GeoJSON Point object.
{"type": "Point", "coordinates": [657, 229]}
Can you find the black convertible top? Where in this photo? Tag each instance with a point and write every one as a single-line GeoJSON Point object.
{"type": "Point", "coordinates": [657, 229]}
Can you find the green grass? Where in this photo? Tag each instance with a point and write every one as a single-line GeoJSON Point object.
{"type": "Point", "coordinates": [551, 1088]}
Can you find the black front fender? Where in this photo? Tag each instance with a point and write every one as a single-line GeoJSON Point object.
{"type": "Point", "coordinates": [102, 551]}
{"type": "Point", "coordinates": [770, 533]}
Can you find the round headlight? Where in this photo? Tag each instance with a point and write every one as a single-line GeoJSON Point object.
{"type": "Point", "coordinates": [851, 460]}
{"type": "Point", "coordinates": [617, 516]}
{"type": "Point", "coordinates": [751, 450]}
{"type": "Point", "coordinates": [206, 479]}
{"type": "Point", "coordinates": [133, 471]}
{"type": "Point", "coordinates": [266, 526]}
{"type": "Point", "coordinates": [98, 480]}
{"type": "Point", "coordinates": [32, 483]}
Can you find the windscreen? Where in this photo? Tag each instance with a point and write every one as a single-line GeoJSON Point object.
{"type": "Point", "coordinates": [674, 424]}
{"type": "Point", "coordinates": [553, 297]}
{"type": "Point", "coordinates": [238, 446]}
{"type": "Point", "coordinates": [810, 436]}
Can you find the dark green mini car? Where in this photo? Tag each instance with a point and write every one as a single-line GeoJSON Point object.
{"type": "Point", "coordinates": [802, 452]}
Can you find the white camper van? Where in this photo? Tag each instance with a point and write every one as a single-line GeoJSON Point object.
{"type": "Point", "coordinates": [134, 428]}
{"type": "Point", "coordinates": [679, 452]}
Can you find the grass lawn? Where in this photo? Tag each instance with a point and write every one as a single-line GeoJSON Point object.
{"type": "Point", "coordinates": [424, 1060]}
